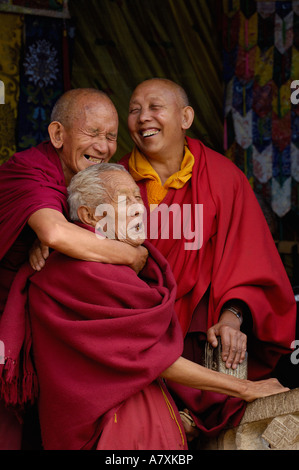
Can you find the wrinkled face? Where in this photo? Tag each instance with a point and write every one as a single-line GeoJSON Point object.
{"type": "Point", "coordinates": [155, 122]}
{"type": "Point", "coordinates": [92, 137]}
{"type": "Point", "coordinates": [123, 209]}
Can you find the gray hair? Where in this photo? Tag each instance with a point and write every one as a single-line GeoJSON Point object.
{"type": "Point", "coordinates": [88, 187]}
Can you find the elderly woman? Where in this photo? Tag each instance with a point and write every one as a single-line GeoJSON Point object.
{"type": "Point", "coordinates": [104, 338]}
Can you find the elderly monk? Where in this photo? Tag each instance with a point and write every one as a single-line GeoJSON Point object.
{"type": "Point", "coordinates": [231, 281]}
{"type": "Point", "coordinates": [103, 336]}
{"type": "Point", "coordinates": [33, 199]}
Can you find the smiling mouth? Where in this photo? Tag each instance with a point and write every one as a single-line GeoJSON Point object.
{"type": "Point", "coordinates": [92, 159]}
{"type": "Point", "coordinates": [149, 132]}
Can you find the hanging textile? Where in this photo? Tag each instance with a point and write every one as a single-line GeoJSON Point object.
{"type": "Point", "coordinates": [261, 59]}
{"type": "Point", "coordinates": [10, 44]}
{"type": "Point", "coordinates": [44, 77]}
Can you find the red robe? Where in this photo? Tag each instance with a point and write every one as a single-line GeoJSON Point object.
{"type": "Point", "coordinates": [29, 181]}
{"type": "Point", "coordinates": [100, 334]}
{"type": "Point", "coordinates": [236, 259]}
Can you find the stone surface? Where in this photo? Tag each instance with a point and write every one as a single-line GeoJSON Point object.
{"type": "Point", "coordinates": [270, 423]}
{"type": "Point", "coordinates": [213, 360]}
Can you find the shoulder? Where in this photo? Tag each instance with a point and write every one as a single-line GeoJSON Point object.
{"type": "Point", "coordinates": [219, 168]}
{"type": "Point", "coordinates": [39, 163]}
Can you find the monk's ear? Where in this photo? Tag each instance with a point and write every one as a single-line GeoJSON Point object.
{"type": "Point", "coordinates": [87, 215]}
{"type": "Point", "coordinates": [55, 130]}
{"type": "Point", "coordinates": [187, 117]}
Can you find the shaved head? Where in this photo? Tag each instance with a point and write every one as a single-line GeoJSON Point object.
{"type": "Point", "coordinates": [72, 103]}
{"type": "Point", "coordinates": [183, 99]}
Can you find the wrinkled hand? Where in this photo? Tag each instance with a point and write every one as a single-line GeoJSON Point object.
{"type": "Point", "coordinates": [262, 388]}
{"type": "Point", "coordinates": [233, 341]}
{"type": "Point", "coordinates": [140, 258]}
{"type": "Point", "coordinates": [38, 255]}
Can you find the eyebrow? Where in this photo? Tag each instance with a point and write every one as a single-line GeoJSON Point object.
{"type": "Point", "coordinates": [151, 98]}
{"type": "Point", "coordinates": [92, 130]}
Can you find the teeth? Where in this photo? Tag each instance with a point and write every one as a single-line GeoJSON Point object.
{"type": "Point", "coordinates": [149, 133]}
{"type": "Point", "coordinates": [94, 159]}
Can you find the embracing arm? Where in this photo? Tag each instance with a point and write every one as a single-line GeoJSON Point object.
{"type": "Point", "coordinates": [193, 375]}
{"type": "Point", "coordinates": [54, 231]}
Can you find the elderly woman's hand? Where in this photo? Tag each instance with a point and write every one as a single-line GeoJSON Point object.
{"type": "Point", "coordinates": [233, 341]}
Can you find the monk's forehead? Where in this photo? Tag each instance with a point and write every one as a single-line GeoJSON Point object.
{"type": "Point", "coordinates": [156, 89]}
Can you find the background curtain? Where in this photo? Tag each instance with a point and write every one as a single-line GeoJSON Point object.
{"type": "Point", "coordinates": [120, 43]}
{"type": "Point", "coordinates": [261, 59]}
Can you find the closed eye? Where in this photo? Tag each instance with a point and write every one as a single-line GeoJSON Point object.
{"type": "Point", "coordinates": [134, 110]}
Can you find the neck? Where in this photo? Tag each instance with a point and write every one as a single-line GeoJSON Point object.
{"type": "Point", "coordinates": [68, 174]}
{"type": "Point", "coordinates": [165, 165]}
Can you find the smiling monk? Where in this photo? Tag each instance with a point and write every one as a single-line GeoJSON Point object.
{"type": "Point", "coordinates": [232, 285]}
{"type": "Point", "coordinates": [33, 198]}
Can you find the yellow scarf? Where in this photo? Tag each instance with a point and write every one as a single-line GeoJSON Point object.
{"type": "Point", "coordinates": [140, 168]}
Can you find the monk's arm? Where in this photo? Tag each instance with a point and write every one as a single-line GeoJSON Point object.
{"type": "Point", "coordinates": [193, 375]}
{"type": "Point", "coordinates": [54, 231]}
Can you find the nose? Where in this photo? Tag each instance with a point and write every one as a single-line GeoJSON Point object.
{"type": "Point", "coordinates": [135, 208]}
{"type": "Point", "coordinates": [101, 146]}
{"type": "Point", "coordinates": [144, 115]}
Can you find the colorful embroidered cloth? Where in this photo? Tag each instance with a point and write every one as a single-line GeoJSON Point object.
{"type": "Point", "coordinates": [260, 41]}
{"type": "Point", "coordinates": [44, 67]}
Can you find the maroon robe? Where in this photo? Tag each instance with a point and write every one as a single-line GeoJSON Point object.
{"type": "Point", "coordinates": [100, 334]}
{"type": "Point", "coordinates": [234, 258]}
{"type": "Point", "coordinates": [29, 181]}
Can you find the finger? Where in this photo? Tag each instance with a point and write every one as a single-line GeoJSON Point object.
{"type": "Point", "coordinates": [34, 263]}
{"type": "Point", "coordinates": [45, 251]}
{"type": "Point", "coordinates": [212, 337]}
{"type": "Point", "coordinates": [237, 355]}
{"type": "Point", "coordinates": [229, 346]}
{"type": "Point", "coordinates": [37, 261]}
{"type": "Point", "coordinates": [243, 348]}
{"type": "Point", "coordinates": [225, 344]}
{"type": "Point", "coordinates": [237, 350]}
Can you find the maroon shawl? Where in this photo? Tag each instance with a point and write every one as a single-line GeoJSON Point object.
{"type": "Point", "coordinates": [237, 260]}
{"type": "Point", "coordinates": [29, 181]}
{"type": "Point", "coordinates": [100, 334]}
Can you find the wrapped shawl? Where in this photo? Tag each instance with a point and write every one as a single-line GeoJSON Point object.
{"type": "Point", "coordinates": [100, 334]}
{"type": "Point", "coordinates": [29, 181]}
{"type": "Point", "coordinates": [235, 258]}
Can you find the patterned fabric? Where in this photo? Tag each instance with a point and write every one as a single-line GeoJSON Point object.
{"type": "Point", "coordinates": [261, 59]}
{"type": "Point", "coordinates": [10, 43]}
{"type": "Point", "coordinates": [42, 78]}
